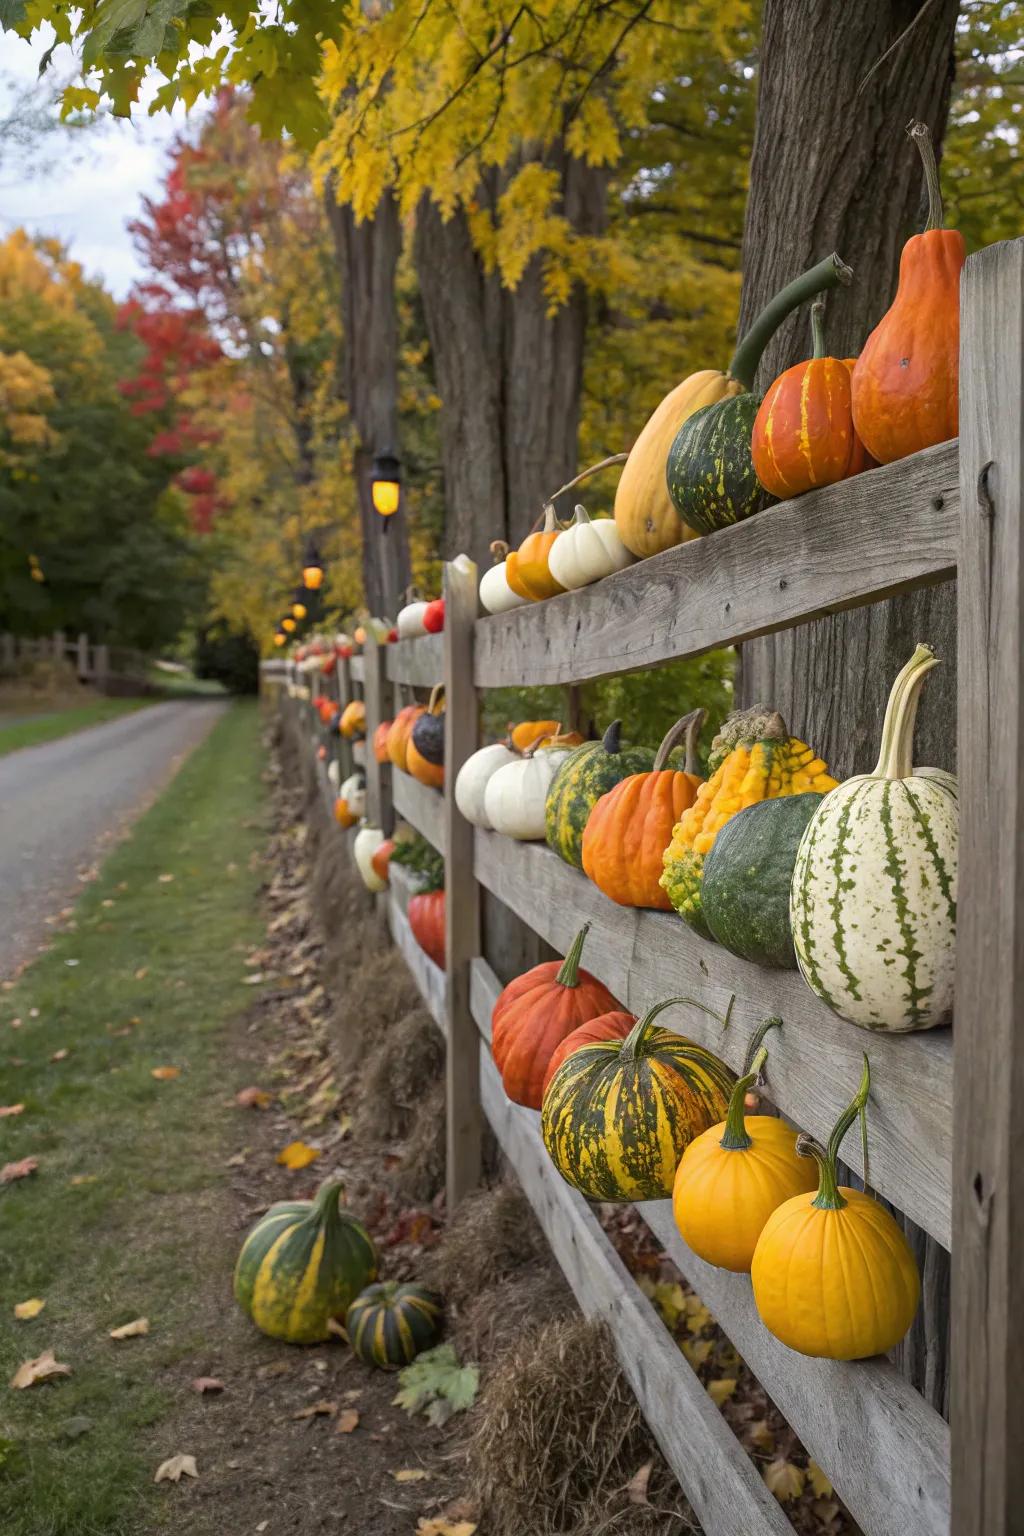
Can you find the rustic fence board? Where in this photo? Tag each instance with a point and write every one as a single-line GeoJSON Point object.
{"type": "Point", "coordinates": [421, 806]}
{"type": "Point", "coordinates": [867, 538]}
{"type": "Point", "coordinates": [357, 666]}
{"type": "Point", "coordinates": [418, 663]}
{"type": "Point", "coordinates": [379, 804]}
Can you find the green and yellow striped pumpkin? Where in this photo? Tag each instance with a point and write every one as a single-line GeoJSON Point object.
{"type": "Point", "coordinates": [585, 775]}
{"type": "Point", "coordinates": [389, 1324]}
{"type": "Point", "coordinates": [301, 1265]}
{"type": "Point", "coordinates": [618, 1115]}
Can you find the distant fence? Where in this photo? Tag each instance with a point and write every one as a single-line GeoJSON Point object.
{"type": "Point", "coordinates": [110, 669]}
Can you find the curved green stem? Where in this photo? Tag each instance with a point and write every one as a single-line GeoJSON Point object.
{"type": "Point", "coordinates": [818, 327]}
{"type": "Point", "coordinates": [772, 1022]}
{"type": "Point", "coordinates": [325, 1203]}
{"type": "Point", "coordinates": [827, 274]}
{"type": "Point", "coordinates": [634, 1040]}
{"type": "Point", "coordinates": [611, 741]}
{"type": "Point", "coordinates": [896, 755]}
{"type": "Point", "coordinates": [569, 972]}
{"type": "Point", "coordinates": [828, 1197]}
{"type": "Point", "coordinates": [734, 1137]}
{"type": "Point", "coordinates": [921, 135]}
{"type": "Point", "coordinates": [688, 728]}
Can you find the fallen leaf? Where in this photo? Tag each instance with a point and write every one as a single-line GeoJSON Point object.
{"type": "Point", "coordinates": [636, 1488]}
{"type": "Point", "coordinates": [275, 1368]}
{"type": "Point", "coordinates": [174, 1468]}
{"type": "Point", "coordinates": [84, 1178]}
{"type": "Point", "coordinates": [442, 1527]}
{"type": "Point", "coordinates": [721, 1391]}
{"type": "Point", "coordinates": [348, 1418]}
{"type": "Point", "coordinates": [344, 1125]}
{"type": "Point", "coordinates": [784, 1479]}
{"type": "Point", "coordinates": [166, 880]}
{"type": "Point", "coordinates": [132, 1330]}
{"type": "Point", "coordinates": [61, 1055]}
{"type": "Point", "coordinates": [11, 1109]}
{"type": "Point", "coordinates": [20, 1170]}
{"type": "Point", "coordinates": [142, 973]}
{"type": "Point", "coordinates": [353, 1393]}
{"type": "Point", "coordinates": [238, 1161]}
{"type": "Point", "coordinates": [297, 1155]}
{"type": "Point", "coordinates": [819, 1482]}
{"type": "Point", "coordinates": [254, 1098]}
{"type": "Point", "coordinates": [79, 1424]}
{"type": "Point", "coordinates": [411, 1475]}
{"type": "Point", "coordinates": [164, 1074]}
{"type": "Point", "coordinates": [762, 1436]}
{"type": "Point", "coordinates": [315, 1410]}
{"type": "Point", "coordinates": [28, 1309]}
{"type": "Point", "coordinates": [40, 1369]}
{"type": "Point", "coordinates": [254, 980]}
{"type": "Point", "coordinates": [697, 1350]}
{"type": "Point", "coordinates": [203, 1384]}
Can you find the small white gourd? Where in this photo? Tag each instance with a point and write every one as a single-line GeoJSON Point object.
{"type": "Point", "coordinates": [410, 621]}
{"type": "Point", "coordinates": [515, 796]}
{"type": "Point", "coordinates": [473, 778]}
{"type": "Point", "coordinates": [365, 844]}
{"type": "Point", "coordinates": [334, 773]}
{"type": "Point", "coordinates": [587, 550]}
{"type": "Point", "coordinates": [353, 792]}
{"type": "Point", "coordinates": [495, 593]}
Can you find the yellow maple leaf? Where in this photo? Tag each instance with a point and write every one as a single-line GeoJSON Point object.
{"type": "Point", "coordinates": [28, 1309]}
{"type": "Point", "coordinates": [297, 1155]}
{"type": "Point", "coordinates": [818, 1481]}
{"type": "Point", "coordinates": [721, 1391]}
{"type": "Point", "coordinates": [784, 1479]}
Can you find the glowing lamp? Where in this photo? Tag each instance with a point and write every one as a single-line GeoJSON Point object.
{"type": "Point", "coordinates": [298, 610]}
{"type": "Point", "coordinates": [288, 625]}
{"type": "Point", "coordinates": [279, 639]}
{"type": "Point", "coordinates": [385, 484]}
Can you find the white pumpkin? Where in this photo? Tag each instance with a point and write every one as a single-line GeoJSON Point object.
{"type": "Point", "coordinates": [515, 796]}
{"type": "Point", "coordinates": [334, 773]}
{"type": "Point", "coordinates": [473, 778]}
{"type": "Point", "coordinates": [359, 753]}
{"type": "Point", "coordinates": [353, 792]}
{"type": "Point", "coordinates": [495, 593]}
{"type": "Point", "coordinates": [365, 844]}
{"type": "Point", "coordinates": [587, 550]}
{"type": "Point", "coordinates": [410, 621]}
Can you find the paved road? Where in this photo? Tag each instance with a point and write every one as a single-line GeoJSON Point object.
{"type": "Point", "coordinates": [61, 803]}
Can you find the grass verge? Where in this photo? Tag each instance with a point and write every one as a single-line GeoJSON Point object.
{"type": "Point", "coordinates": [49, 727]}
{"type": "Point", "coordinates": [107, 1230]}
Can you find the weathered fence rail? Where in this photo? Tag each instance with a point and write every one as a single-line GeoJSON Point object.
{"type": "Point", "coordinates": [106, 667]}
{"type": "Point", "coordinates": [945, 1124]}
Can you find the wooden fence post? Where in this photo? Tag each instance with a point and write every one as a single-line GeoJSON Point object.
{"type": "Point", "coordinates": [8, 653]}
{"type": "Point", "coordinates": [59, 645]}
{"type": "Point", "coordinates": [82, 658]}
{"type": "Point", "coordinates": [101, 667]}
{"type": "Point", "coordinates": [346, 693]}
{"type": "Point", "coordinates": [988, 1078]}
{"type": "Point", "coordinates": [462, 895]}
{"type": "Point", "coordinates": [380, 811]}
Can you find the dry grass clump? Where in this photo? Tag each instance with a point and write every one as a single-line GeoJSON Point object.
{"type": "Point", "coordinates": [368, 999]}
{"type": "Point", "coordinates": [559, 1436]}
{"type": "Point", "coordinates": [406, 1059]}
{"type": "Point", "coordinates": [420, 1174]}
{"type": "Point", "coordinates": [498, 1318]}
{"type": "Point", "coordinates": [493, 1233]}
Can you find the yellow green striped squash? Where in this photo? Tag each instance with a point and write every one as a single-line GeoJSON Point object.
{"type": "Point", "coordinates": [618, 1115]}
{"type": "Point", "coordinates": [301, 1265]}
{"type": "Point", "coordinates": [389, 1324]}
{"type": "Point", "coordinates": [582, 778]}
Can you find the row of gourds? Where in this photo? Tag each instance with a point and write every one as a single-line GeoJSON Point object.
{"type": "Point", "coordinates": [714, 452]}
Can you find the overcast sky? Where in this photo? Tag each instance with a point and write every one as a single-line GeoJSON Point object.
{"type": "Point", "coordinates": [84, 187]}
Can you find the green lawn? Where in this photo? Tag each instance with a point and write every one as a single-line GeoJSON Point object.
{"type": "Point", "coordinates": [102, 1231]}
{"type": "Point", "coordinates": [48, 727]}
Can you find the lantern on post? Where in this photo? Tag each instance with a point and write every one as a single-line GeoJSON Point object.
{"type": "Point", "coordinates": [279, 637]}
{"type": "Point", "coordinates": [312, 569]}
{"type": "Point", "coordinates": [385, 483]}
{"type": "Point", "coordinates": [299, 609]}
{"type": "Point", "coordinates": [288, 624]}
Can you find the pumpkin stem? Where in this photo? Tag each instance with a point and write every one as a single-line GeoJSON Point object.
{"type": "Point", "coordinates": [436, 703]}
{"type": "Point", "coordinates": [324, 1210]}
{"type": "Point", "coordinates": [818, 327]}
{"type": "Point", "coordinates": [581, 515]}
{"type": "Point", "coordinates": [827, 274]}
{"type": "Point", "coordinates": [611, 741]}
{"type": "Point", "coordinates": [896, 757]}
{"type": "Point", "coordinates": [734, 1137]}
{"type": "Point", "coordinates": [499, 549]}
{"type": "Point", "coordinates": [584, 474]}
{"type": "Point", "coordinates": [921, 135]}
{"type": "Point", "coordinates": [828, 1197]}
{"type": "Point", "coordinates": [688, 728]}
{"type": "Point", "coordinates": [631, 1045]}
{"type": "Point", "coordinates": [569, 973]}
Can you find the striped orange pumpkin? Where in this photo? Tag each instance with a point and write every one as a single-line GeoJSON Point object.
{"type": "Point", "coordinates": [803, 432]}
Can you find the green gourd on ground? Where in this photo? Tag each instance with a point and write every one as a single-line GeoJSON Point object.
{"type": "Point", "coordinates": [747, 877]}
{"type": "Point", "coordinates": [586, 774]}
{"type": "Point", "coordinates": [389, 1324]}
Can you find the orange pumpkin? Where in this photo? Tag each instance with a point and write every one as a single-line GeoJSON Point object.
{"type": "Point", "coordinates": [426, 914]}
{"type": "Point", "coordinates": [380, 858]}
{"type": "Point", "coordinates": [353, 719]}
{"type": "Point", "coordinates": [342, 815]}
{"type": "Point", "coordinates": [401, 730]}
{"type": "Point", "coordinates": [424, 754]}
{"type": "Point", "coordinates": [631, 826]}
{"type": "Point", "coordinates": [607, 1026]}
{"type": "Point", "coordinates": [803, 432]}
{"type": "Point", "coordinates": [526, 568]}
{"type": "Point", "coordinates": [906, 380]}
{"type": "Point", "coordinates": [380, 741]}
{"type": "Point", "coordinates": [524, 735]}
{"type": "Point", "coordinates": [536, 1012]}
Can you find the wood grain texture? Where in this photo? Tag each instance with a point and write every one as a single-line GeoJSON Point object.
{"type": "Point", "coordinates": [816, 1058]}
{"type": "Point", "coordinates": [883, 532]}
{"type": "Point", "coordinates": [988, 1252]}
{"type": "Point", "coordinates": [419, 663]}
{"type": "Point", "coordinates": [463, 1121]}
{"type": "Point", "coordinates": [419, 805]}
{"type": "Point", "coordinates": [723, 1485]}
{"type": "Point", "coordinates": [380, 811]}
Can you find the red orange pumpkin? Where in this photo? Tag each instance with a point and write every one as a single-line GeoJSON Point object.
{"type": "Point", "coordinates": [607, 1026]}
{"type": "Point", "coordinates": [401, 730]}
{"type": "Point", "coordinates": [380, 741]}
{"type": "Point", "coordinates": [426, 919]}
{"type": "Point", "coordinates": [380, 858]}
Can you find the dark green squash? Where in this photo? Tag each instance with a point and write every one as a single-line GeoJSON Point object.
{"type": "Point", "coordinates": [586, 774]}
{"type": "Point", "coordinates": [747, 877]}
{"type": "Point", "coordinates": [390, 1324]}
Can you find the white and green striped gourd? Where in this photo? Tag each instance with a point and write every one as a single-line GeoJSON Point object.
{"type": "Point", "coordinates": [873, 900]}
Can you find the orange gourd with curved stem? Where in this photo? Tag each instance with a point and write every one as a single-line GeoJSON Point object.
{"type": "Point", "coordinates": [631, 826]}
{"type": "Point", "coordinates": [803, 431]}
{"type": "Point", "coordinates": [526, 568]}
{"type": "Point", "coordinates": [906, 380]}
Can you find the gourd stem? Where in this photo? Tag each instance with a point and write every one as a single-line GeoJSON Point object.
{"type": "Point", "coordinates": [689, 727]}
{"type": "Point", "coordinates": [734, 1137]}
{"type": "Point", "coordinates": [499, 549]}
{"type": "Point", "coordinates": [325, 1205]}
{"type": "Point", "coordinates": [581, 516]}
{"type": "Point", "coordinates": [772, 1022]}
{"type": "Point", "coordinates": [828, 1197]}
{"type": "Point", "coordinates": [896, 756]}
{"type": "Point", "coordinates": [611, 741]}
{"type": "Point", "coordinates": [827, 274]}
{"type": "Point", "coordinates": [584, 474]}
{"type": "Point", "coordinates": [631, 1045]}
{"type": "Point", "coordinates": [569, 973]}
{"type": "Point", "coordinates": [921, 135]}
{"type": "Point", "coordinates": [818, 327]}
{"type": "Point", "coordinates": [436, 703]}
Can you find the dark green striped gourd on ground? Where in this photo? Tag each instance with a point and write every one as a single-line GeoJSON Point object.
{"type": "Point", "coordinates": [747, 876]}
{"type": "Point", "coordinates": [873, 902]}
{"type": "Point", "coordinates": [618, 1115]}
{"type": "Point", "coordinates": [586, 774]}
{"type": "Point", "coordinates": [302, 1264]}
{"type": "Point", "coordinates": [389, 1324]}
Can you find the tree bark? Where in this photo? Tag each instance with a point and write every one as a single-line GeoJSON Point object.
{"type": "Point", "coordinates": [832, 170]}
{"type": "Point", "coordinates": [368, 255]}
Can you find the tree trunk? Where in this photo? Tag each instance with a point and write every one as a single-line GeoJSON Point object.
{"type": "Point", "coordinates": [368, 257]}
{"type": "Point", "coordinates": [833, 170]}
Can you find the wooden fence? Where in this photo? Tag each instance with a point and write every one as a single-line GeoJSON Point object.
{"type": "Point", "coordinates": [108, 668]}
{"type": "Point", "coordinates": [946, 1108]}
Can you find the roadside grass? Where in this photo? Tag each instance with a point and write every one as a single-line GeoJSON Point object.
{"type": "Point", "coordinates": [110, 1226]}
{"type": "Point", "coordinates": [50, 727]}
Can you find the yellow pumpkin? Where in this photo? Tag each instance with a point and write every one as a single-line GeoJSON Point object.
{"type": "Point", "coordinates": [353, 719]}
{"type": "Point", "coordinates": [644, 515]}
{"type": "Point", "coordinates": [733, 1177]}
{"type": "Point", "coordinates": [833, 1274]}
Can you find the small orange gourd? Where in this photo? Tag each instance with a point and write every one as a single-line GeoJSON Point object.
{"type": "Point", "coordinates": [353, 719]}
{"type": "Point", "coordinates": [528, 732]}
{"type": "Point", "coordinates": [906, 380]}
{"type": "Point", "coordinates": [380, 741]}
{"type": "Point", "coordinates": [526, 568]}
{"type": "Point", "coordinates": [424, 753]}
{"type": "Point", "coordinates": [401, 730]}
{"type": "Point", "coordinates": [631, 826]}
{"type": "Point", "coordinates": [342, 815]}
